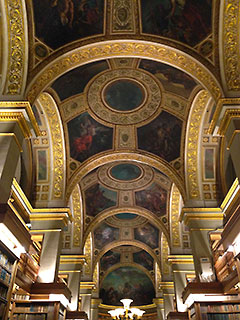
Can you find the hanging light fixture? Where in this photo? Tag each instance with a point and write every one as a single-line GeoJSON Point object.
{"type": "Point", "coordinates": [126, 312]}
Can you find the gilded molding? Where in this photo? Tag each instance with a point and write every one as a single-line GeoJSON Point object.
{"type": "Point", "coordinates": [16, 47]}
{"type": "Point", "coordinates": [165, 251]}
{"type": "Point", "coordinates": [135, 210]}
{"type": "Point", "coordinates": [148, 109]}
{"type": "Point", "coordinates": [109, 157]}
{"type": "Point", "coordinates": [192, 145]}
{"type": "Point", "coordinates": [50, 109]}
{"type": "Point", "coordinates": [88, 255]}
{"type": "Point", "coordinates": [225, 121]}
{"type": "Point", "coordinates": [231, 21]}
{"type": "Point", "coordinates": [77, 212]}
{"type": "Point", "coordinates": [174, 214]}
{"type": "Point", "coordinates": [119, 243]}
{"type": "Point", "coordinates": [19, 106]}
{"type": "Point", "coordinates": [119, 48]}
{"type": "Point", "coordinates": [122, 16]}
{"type": "Point", "coordinates": [146, 177]}
{"type": "Point", "coordinates": [19, 118]}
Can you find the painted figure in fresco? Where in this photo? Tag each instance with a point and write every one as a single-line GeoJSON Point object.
{"type": "Point", "coordinates": [87, 137]}
{"type": "Point", "coordinates": [65, 9]}
{"type": "Point", "coordinates": [59, 22]}
{"type": "Point", "coordinates": [147, 234]}
{"type": "Point", "coordinates": [97, 201]}
{"type": "Point", "coordinates": [188, 21]}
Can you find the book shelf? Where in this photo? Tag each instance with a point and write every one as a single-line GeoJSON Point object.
{"type": "Point", "coordinates": [37, 310]}
{"type": "Point", "coordinates": [7, 260]}
{"type": "Point", "coordinates": [215, 311]}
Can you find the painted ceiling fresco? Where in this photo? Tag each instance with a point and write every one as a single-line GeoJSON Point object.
{"type": "Point", "coordinates": [127, 282]}
{"type": "Point", "coordinates": [187, 21]}
{"type": "Point", "coordinates": [59, 22]}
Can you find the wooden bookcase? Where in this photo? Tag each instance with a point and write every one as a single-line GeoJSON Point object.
{"type": "Point", "coordinates": [7, 272]}
{"type": "Point", "coordinates": [37, 310]}
{"type": "Point", "coordinates": [221, 310]}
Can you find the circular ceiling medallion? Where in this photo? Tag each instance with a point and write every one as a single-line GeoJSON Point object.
{"type": "Point", "coordinates": [126, 216]}
{"type": "Point", "coordinates": [116, 97]}
{"type": "Point", "coordinates": [125, 176]}
{"type": "Point", "coordinates": [123, 95]}
{"type": "Point", "coordinates": [134, 222]}
{"type": "Point", "coordinates": [125, 172]}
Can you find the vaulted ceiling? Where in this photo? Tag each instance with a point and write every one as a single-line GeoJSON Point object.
{"type": "Point", "coordinates": [124, 92]}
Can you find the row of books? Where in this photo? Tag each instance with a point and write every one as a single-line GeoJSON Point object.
{"type": "Point", "coordinates": [5, 277]}
{"type": "Point", "coordinates": [23, 316]}
{"type": "Point", "coordinates": [21, 296]}
{"type": "Point", "coordinates": [31, 308]}
{"type": "Point", "coordinates": [221, 308]}
{"type": "Point", "coordinates": [4, 261]}
{"type": "Point", "coordinates": [3, 292]}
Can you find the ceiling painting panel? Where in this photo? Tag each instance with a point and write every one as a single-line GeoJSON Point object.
{"type": "Point", "coordinates": [109, 259]}
{"type": "Point", "coordinates": [88, 137]}
{"type": "Point", "coordinates": [99, 198]}
{"type": "Point", "coordinates": [187, 21]}
{"type": "Point", "coordinates": [59, 22]}
{"type": "Point", "coordinates": [165, 133]}
{"type": "Point", "coordinates": [172, 79]}
{"type": "Point", "coordinates": [127, 282]}
{"type": "Point", "coordinates": [74, 81]}
{"type": "Point", "coordinates": [147, 234]}
{"type": "Point", "coordinates": [105, 234]}
{"type": "Point", "coordinates": [144, 259]}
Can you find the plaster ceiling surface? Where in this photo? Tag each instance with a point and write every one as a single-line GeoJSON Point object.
{"type": "Point", "coordinates": [119, 116]}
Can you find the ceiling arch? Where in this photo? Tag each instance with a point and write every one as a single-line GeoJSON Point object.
{"type": "Point", "coordinates": [123, 48]}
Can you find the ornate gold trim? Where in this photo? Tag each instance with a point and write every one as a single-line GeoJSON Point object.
{"type": "Point", "coordinates": [235, 132]}
{"type": "Point", "coordinates": [219, 107]}
{"type": "Point", "coordinates": [174, 214]}
{"type": "Point", "coordinates": [231, 23]}
{"type": "Point", "coordinates": [117, 156]}
{"type": "Point", "coordinates": [17, 106]}
{"type": "Point", "coordinates": [136, 210]}
{"type": "Point", "coordinates": [225, 121]}
{"type": "Point", "coordinates": [192, 144]}
{"type": "Point", "coordinates": [16, 47]}
{"type": "Point", "coordinates": [77, 212]}
{"type": "Point", "coordinates": [44, 211]}
{"type": "Point", "coordinates": [180, 259]}
{"type": "Point", "coordinates": [16, 117]}
{"type": "Point", "coordinates": [49, 107]}
{"type": "Point", "coordinates": [119, 48]}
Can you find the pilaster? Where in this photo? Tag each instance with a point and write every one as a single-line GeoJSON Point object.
{"type": "Point", "coordinates": [182, 265]}
{"type": "Point", "coordinates": [200, 222]}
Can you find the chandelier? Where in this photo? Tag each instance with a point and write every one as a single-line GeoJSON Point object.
{"type": "Point", "coordinates": [126, 312]}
